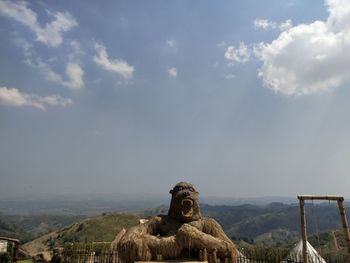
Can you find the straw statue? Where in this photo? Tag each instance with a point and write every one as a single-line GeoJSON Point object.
{"type": "Point", "coordinates": [183, 234]}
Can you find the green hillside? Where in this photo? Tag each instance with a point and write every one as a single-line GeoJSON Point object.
{"type": "Point", "coordinates": [102, 228]}
{"type": "Point", "coordinates": [42, 223]}
{"type": "Point", "coordinates": [97, 229]}
{"type": "Point", "coordinates": [8, 229]}
{"type": "Point", "coordinates": [277, 238]}
{"type": "Point", "coordinates": [28, 227]}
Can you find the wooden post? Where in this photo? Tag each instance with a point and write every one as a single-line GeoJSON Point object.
{"type": "Point", "coordinates": [335, 241]}
{"type": "Point", "coordinates": [15, 252]}
{"type": "Point", "coordinates": [303, 228]}
{"type": "Point", "coordinates": [340, 201]}
{"type": "Point", "coordinates": [344, 222]}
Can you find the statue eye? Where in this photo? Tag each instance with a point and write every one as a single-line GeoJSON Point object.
{"type": "Point", "coordinates": [191, 189]}
{"type": "Point", "coordinates": [178, 188]}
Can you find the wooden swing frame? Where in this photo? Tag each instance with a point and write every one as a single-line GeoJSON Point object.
{"type": "Point", "coordinates": [340, 201]}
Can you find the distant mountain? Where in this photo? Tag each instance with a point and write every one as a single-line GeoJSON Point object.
{"type": "Point", "coordinates": [99, 203]}
{"type": "Point", "coordinates": [80, 205]}
{"type": "Point", "coordinates": [249, 222]}
{"type": "Point", "coordinates": [235, 201]}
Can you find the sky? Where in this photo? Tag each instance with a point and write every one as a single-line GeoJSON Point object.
{"type": "Point", "coordinates": [241, 98]}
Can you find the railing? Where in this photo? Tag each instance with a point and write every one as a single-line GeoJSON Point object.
{"type": "Point", "coordinates": [92, 253]}
{"type": "Point", "coordinates": [87, 253]}
{"type": "Point", "coordinates": [278, 255]}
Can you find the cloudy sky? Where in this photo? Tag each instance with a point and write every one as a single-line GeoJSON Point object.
{"type": "Point", "coordinates": [242, 98]}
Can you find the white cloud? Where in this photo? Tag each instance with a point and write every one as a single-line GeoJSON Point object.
{"type": "Point", "coordinates": [74, 73]}
{"type": "Point", "coordinates": [171, 43]}
{"type": "Point", "coordinates": [118, 66]}
{"type": "Point", "coordinates": [24, 45]}
{"type": "Point", "coordinates": [309, 58]}
{"type": "Point", "coordinates": [51, 33]}
{"type": "Point", "coordinates": [55, 100]}
{"type": "Point", "coordinates": [44, 69]}
{"type": "Point", "coordinates": [339, 14]}
{"type": "Point", "coordinates": [266, 24]}
{"type": "Point", "coordinates": [230, 76]}
{"type": "Point", "coordinates": [240, 54]}
{"type": "Point", "coordinates": [285, 25]}
{"type": "Point", "coordinates": [13, 97]}
{"type": "Point", "coordinates": [77, 50]}
{"type": "Point", "coordinates": [222, 44]}
{"type": "Point", "coordinates": [172, 72]}
{"type": "Point", "coordinates": [75, 76]}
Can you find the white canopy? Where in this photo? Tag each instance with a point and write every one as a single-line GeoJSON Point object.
{"type": "Point", "coordinates": [3, 246]}
{"type": "Point", "coordinates": [296, 254]}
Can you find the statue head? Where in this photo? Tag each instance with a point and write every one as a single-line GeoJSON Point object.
{"type": "Point", "coordinates": [184, 205]}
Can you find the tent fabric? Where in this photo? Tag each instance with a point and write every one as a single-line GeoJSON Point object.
{"type": "Point", "coordinates": [3, 246]}
{"type": "Point", "coordinates": [296, 254]}
{"type": "Point", "coordinates": [242, 258]}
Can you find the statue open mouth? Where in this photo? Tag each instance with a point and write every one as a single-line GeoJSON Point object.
{"type": "Point", "coordinates": [187, 207]}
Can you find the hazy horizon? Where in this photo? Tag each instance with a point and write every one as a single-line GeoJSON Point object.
{"type": "Point", "coordinates": [165, 195]}
{"type": "Point", "coordinates": [241, 98]}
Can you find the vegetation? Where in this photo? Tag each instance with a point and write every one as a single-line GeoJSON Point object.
{"type": "Point", "coordinates": [97, 229]}
{"type": "Point", "coordinates": [10, 229]}
{"type": "Point", "coordinates": [5, 258]}
{"type": "Point", "coordinates": [29, 227]}
{"type": "Point", "coordinates": [102, 228]}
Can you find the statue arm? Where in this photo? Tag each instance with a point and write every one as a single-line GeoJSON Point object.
{"type": "Point", "coordinates": [142, 243]}
{"type": "Point", "coordinates": [133, 245]}
{"type": "Point", "coordinates": [212, 239]}
{"type": "Point", "coordinates": [213, 228]}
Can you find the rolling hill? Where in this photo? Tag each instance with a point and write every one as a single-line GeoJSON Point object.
{"type": "Point", "coordinates": [250, 222]}
{"type": "Point", "coordinates": [101, 228]}
{"type": "Point", "coordinates": [8, 229]}
{"type": "Point", "coordinates": [27, 227]}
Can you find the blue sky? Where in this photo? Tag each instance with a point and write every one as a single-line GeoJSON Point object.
{"type": "Point", "coordinates": [241, 98]}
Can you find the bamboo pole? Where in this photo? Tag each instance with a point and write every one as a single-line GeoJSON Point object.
{"type": "Point", "coordinates": [335, 241]}
{"type": "Point", "coordinates": [345, 223]}
{"type": "Point", "coordinates": [303, 228]}
{"type": "Point", "coordinates": [321, 197]}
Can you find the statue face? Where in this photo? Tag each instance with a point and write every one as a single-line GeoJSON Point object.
{"type": "Point", "coordinates": [184, 204]}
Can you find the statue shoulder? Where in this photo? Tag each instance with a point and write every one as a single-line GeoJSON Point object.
{"type": "Point", "coordinates": [154, 220]}
{"type": "Point", "coordinates": [212, 227]}
{"type": "Point", "coordinates": [209, 221]}
{"type": "Point", "coordinates": [157, 218]}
